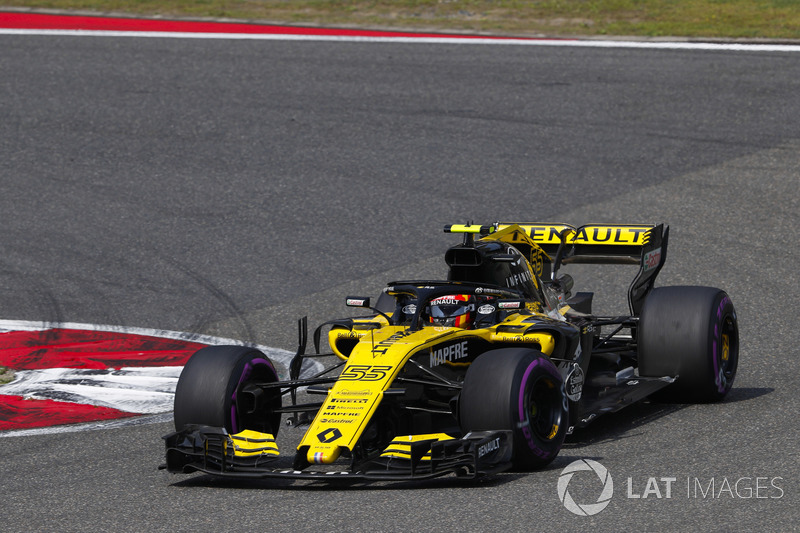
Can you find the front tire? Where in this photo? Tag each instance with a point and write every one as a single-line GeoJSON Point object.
{"type": "Point", "coordinates": [215, 389]}
{"type": "Point", "coordinates": [520, 390]}
{"type": "Point", "coordinates": [691, 333]}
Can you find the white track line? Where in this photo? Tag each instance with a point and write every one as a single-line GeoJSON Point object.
{"type": "Point", "coordinates": [585, 43]}
{"type": "Point", "coordinates": [90, 426]}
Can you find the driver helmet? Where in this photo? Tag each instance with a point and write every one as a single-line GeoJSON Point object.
{"type": "Point", "coordinates": [452, 311]}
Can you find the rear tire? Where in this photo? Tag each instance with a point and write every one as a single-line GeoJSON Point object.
{"type": "Point", "coordinates": [692, 333]}
{"type": "Point", "coordinates": [520, 390]}
{"type": "Point", "coordinates": [213, 391]}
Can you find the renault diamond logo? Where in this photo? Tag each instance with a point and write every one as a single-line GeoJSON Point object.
{"type": "Point", "coordinates": [329, 435]}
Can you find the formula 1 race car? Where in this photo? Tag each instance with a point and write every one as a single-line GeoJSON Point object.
{"type": "Point", "coordinates": [483, 372]}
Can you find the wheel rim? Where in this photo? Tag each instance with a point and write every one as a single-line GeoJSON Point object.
{"type": "Point", "coordinates": [543, 408]}
{"type": "Point", "coordinates": [727, 355]}
{"type": "Point", "coordinates": [254, 371]}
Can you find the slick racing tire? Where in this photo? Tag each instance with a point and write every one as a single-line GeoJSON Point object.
{"type": "Point", "coordinates": [215, 389]}
{"type": "Point", "coordinates": [691, 333]}
{"type": "Point", "coordinates": [520, 390]}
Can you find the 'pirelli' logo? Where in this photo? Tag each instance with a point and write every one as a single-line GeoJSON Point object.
{"type": "Point", "coordinates": [591, 234]}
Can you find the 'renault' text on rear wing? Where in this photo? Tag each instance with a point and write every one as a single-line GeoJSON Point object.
{"type": "Point", "coordinates": [592, 243]}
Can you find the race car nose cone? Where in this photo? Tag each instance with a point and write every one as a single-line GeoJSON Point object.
{"type": "Point", "coordinates": [323, 455]}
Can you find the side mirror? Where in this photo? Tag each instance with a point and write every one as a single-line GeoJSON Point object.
{"type": "Point", "coordinates": [362, 301]}
{"type": "Point", "coordinates": [357, 301]}
{"type": "Point", "coordinates": [510, 305]}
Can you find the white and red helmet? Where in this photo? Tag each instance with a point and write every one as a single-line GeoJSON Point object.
{"type": "Point", "coordinates": [457, 310]}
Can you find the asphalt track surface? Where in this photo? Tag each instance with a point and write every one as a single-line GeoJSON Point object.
{"type": "Point", "coordinates": [228, 187]}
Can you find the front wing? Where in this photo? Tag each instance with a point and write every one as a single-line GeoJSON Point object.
{"type": "Point", "coordinates": [214, 451]}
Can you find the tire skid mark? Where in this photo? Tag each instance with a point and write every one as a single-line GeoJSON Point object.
{"type": "Point", "coordinates": [218, 294]}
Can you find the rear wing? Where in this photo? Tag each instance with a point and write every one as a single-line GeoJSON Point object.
{"type": "Point", "coordinates": [592, 243]}
{"type": "Point", "coordinates": [642, 244]}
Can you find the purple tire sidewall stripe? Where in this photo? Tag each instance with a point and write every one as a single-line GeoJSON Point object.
{"type": "Point", "coordinates": [525, 376]}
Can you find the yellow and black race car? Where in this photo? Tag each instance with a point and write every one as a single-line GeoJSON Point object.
{"type": "Point", "coordinates": [483, 372]}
